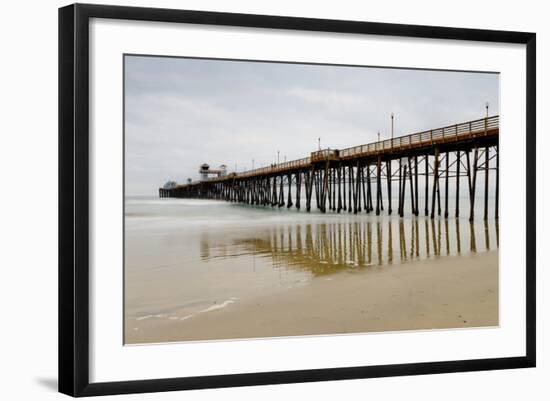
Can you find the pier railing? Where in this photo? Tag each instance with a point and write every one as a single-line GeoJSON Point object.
{"type": "Point", "coordinates": [276, 168]}
{"type": "Point", "coordinates": [456, 132]}
{"type": "Point", "coordinates": [438, 135]}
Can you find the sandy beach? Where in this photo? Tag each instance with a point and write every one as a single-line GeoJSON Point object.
{"type": "Point", "coordinates": [449, 292]}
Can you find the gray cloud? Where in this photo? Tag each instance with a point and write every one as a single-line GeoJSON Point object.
{"type": "Point", "coordinates": [183, 112]}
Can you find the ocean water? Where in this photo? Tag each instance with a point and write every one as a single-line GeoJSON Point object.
{"type": "Point", "coordinates": [194, 256]}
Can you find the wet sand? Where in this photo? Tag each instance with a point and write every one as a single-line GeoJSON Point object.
{"type": "Point", "coordinates": [448, 292]}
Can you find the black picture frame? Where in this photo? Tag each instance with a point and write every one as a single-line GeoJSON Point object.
{"type": "Point", "coordinates": [74, 198]}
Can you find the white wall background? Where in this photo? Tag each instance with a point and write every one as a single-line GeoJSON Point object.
{"type": "Point", "coordinates": [28, 215]}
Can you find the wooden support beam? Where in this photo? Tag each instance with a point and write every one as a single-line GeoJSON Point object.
{"type": "Point", "coordinates": [325, 188]}
{"type": "Point", "coordinates": [344, 185]}
{"type": "Point", "coordinates": [267, 191]}
{"type": "Point", "coordinates": [316, 185]}
{"type": "Point", "coordinates": [274, 194]}
{"type": "Point", "coordinates": [416, 187]}
{"type": "Point", "coordinates": [486, 200]}
{"type": "Point", "coordinates": [363, 189]}
{"type": "Point", "coordinates": [298, 189]}
{"type": "Point", "coordinates": [473, 190]}
{"type": "Point", "coordinates": [339, 172]}
{"type": "Point", "coordinates": [378, 182]}
{"type": "Point", "coordinates": [446, 184]}
{"type": "Point", "coordinates": [334, 187]}
{"type": "Point", "coordinates": [469, 173]}
{"type": "Point", "coordinates": [426, 186]}
{"type": "Point", "coordinates": [354, 193]}
{"type": "Point", "coordinates": [457, 189]}
{"type": "Point", "coordinates": [435, 180]}
{"type": "Point", "coordinates": [306, 188]}
{"type": "Point", "coordinates": [330, 188]}
{"type": "Point", "coordinates": [289, 198]}
{"type": "Point", "coordinates": [316, 177]}
{"type": "Point", "coordinates": [438, 193]}
{"type": "Point", "coordinates": [388, 177]}
{"type": "Point", "coordinates": [369, 190]}
{"type": "Point", "coordinates": [350, 188]}
{"type": "Point", "coordinates": [309, 187]}
{"type": "Point", "coordinates": [380, 190]}
{"type": "Point", "coordinates": [357, 207]}
{"type": "Point", "coordinates": [496, 187]}
{"type": "Point", "coordinates": [402, 239]}
{"type": "Point", "coordinates": [399, 206]}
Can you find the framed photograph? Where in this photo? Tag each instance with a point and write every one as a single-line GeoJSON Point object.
{"type": "Point", "coordinates": [251, 199]}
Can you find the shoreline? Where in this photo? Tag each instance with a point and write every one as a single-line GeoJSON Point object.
{"type": "Point", "coordinates": [440, 293]}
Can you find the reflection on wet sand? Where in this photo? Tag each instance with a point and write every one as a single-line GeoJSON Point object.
{"type": "Point", "coordinates": [323, 248]}
{"type": "Point", "coordinates": [211, 271]}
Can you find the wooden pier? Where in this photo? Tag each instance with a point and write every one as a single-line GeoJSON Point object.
{"type": "Point", "coordinates": [354, 179]}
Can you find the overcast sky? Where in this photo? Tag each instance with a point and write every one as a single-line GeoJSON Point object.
{"type": "Point", "coordinates": [181, 112]}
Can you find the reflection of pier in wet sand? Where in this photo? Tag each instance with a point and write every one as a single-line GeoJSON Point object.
{"type": "Point", "coordinates": [323, 248]}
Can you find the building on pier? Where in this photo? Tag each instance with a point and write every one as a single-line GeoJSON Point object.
{"type": "Point", "coordinates": [205, 171]}
{"type": "Point", "coordinates": [170, 185]}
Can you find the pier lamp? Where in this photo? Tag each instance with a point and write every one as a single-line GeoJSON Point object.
{"type": "Point", "coordinates": [277, 157]}
{"type": "Point", "coordinates": [486, 109]}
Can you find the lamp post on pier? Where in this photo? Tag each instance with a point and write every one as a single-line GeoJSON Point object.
{"type": "Point", "coordinates": [392, 129]}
